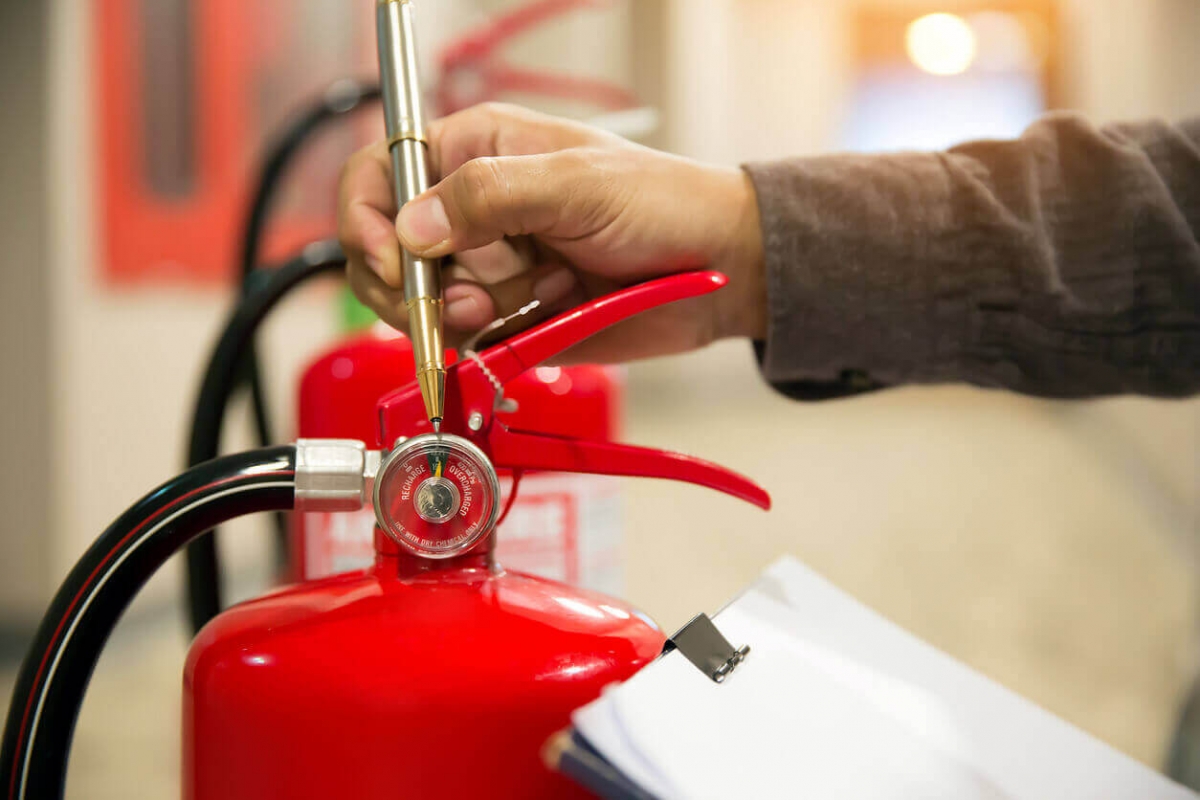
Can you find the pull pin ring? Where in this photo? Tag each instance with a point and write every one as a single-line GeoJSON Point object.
{"type": "Point", "coordinates": [468, 349]}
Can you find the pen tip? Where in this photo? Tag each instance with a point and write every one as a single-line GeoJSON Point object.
{"type": "Point", "coordinates": [437, 424]}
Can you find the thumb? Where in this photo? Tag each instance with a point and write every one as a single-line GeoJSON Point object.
{"type": "Point", "coordinates": [559, 195]}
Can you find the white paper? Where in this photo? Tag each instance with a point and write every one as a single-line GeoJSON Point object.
{"type": "Point", "coordinates": [835, 701]}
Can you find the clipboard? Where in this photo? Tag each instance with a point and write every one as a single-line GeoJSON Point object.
{"type": "Point", "coordinates": [829, 699]}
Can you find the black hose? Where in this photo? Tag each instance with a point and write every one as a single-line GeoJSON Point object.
{"type": "Point", "coordinates": [250, 375]}
{"type": "Point", "coordinates": [340, 99]}
{"type": "Point", "coordinates": [55, 673]}
{"type": "Point", "coordinates": [220, 379]}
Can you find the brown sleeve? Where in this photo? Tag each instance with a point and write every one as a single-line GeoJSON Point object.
{"type": "Point", "coordinates": [1064, 264]}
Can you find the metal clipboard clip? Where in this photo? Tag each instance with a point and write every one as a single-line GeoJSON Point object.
{"type": "Point", "coordinates": [707, 648]}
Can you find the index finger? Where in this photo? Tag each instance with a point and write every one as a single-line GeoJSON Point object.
{"type": "Point", "coordinates": [501, 129]}
{"type": "Point", "coordinates": [367, 210]}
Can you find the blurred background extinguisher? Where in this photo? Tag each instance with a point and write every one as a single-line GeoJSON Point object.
{"type": "Point", "coordinates": [566, 527]}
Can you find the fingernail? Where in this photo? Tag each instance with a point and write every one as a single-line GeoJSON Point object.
{"type": "Point", "coordinates": [423, 222]}
{"type": "Point", "coordinates": [461, 313]}
{"type": "Point", "coordinates": [552, 288]}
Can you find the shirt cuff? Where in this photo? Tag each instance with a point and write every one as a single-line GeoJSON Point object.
{"type": "Point", "coordinates": [864, 289]}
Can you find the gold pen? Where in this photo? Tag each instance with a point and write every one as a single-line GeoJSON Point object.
{"type": "Point", "coordinates": [405, 121]}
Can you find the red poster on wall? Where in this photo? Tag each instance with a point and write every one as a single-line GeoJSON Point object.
{"type": "Point", "coordinates": [188, 91]}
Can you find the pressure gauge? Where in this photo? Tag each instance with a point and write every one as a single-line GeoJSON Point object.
{"type": "Point", "coordinates": [436, 495]}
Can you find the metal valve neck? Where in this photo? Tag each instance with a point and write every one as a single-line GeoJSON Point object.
{"type": "Point", "coordinates": [394, 561]}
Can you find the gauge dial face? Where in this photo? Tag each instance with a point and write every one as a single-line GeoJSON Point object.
{"type": "Point", "coordinates": [436, 495]}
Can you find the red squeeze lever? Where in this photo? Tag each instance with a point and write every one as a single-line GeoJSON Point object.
{"type": "Point", "coordinates": [472, 399]}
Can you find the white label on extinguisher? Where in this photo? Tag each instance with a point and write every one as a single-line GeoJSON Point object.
{"type": "Point", "coordinates": [566, 527]}
{"type": "Point", "coordinates": [563, 527]}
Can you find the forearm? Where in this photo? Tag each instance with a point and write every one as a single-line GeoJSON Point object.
{"type": "Point", "coordinates": [1064, 263]}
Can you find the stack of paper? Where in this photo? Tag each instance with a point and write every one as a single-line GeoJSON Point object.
{"type": "Point", "coordinates": [835, 701]}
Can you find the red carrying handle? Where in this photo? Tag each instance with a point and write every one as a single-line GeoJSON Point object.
{"type": "Point", "coordinates": [526, 350]}
{"type": "Point", "coordinates": [470, 391]}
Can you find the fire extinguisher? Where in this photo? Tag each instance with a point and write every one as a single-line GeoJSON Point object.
{"type": "Point", "coordinates": [436, 672]}
{"type": "Point", "coordinates": [560, 526]}
{"type": "Point", "coordinates": [563, 526]}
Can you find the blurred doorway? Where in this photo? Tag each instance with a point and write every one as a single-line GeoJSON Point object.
{"type": "Point", "coordinates": [928, 77]}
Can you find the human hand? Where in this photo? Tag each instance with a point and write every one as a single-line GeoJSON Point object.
{"type": "Point", "coordinates": [532, 206]}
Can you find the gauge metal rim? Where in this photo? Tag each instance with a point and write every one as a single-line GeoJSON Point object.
{"type": "Point", "coordinates": [463, 447]}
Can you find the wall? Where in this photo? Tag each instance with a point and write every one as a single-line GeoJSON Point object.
{"type": "Point", "coordinates": [1131, 59]}
{"type": "Point", "coordinates": [25, 338]}
{"type": "Point", "coordinates": [126, 364]}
